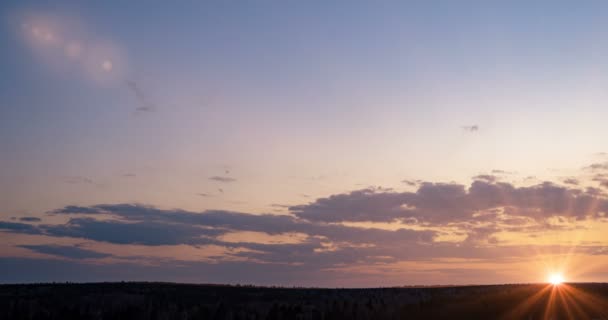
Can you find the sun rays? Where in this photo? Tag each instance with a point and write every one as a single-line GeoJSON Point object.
{"type": "Point", "coordinates": [560, 301]}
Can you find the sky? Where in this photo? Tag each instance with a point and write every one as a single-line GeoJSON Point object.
{"type": "Point", "coordinates": [308, 143]}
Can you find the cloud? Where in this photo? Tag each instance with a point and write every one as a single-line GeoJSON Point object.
{"type": "Point", "coordinates": [485, 177]}
{"type": "Point", "coordinates": [498, 205]}
{"type": "Point", "coordinates": [499, 171]}
{"type": "Point", "coordinates": [278, 205]}
{"type": "Point", "coordinates": [471, 128]}
{"type": "Point", "coordinates": [29, 219]}
{"type": "Point", "coordinates": [572, 181]}
{"type": "Point", "coordinates": [411, 182]}
{"type": "Point", "coordinates": [334, 232]}
{"type": "Point", "coordinates": [441, 203]}
{"type": "Point", "coordinates": [145, 233]}
{"type": "Point", "coordinates": [151, 226]}
{"type": "Point", "coordinates": [360, 205]}
{"type": "Point", "coordinates": [482, 235]}
{"type": "Point", "coordinates": [76, 209]}
{"type": "Point", "coordinates": [71, 252]}
{"type": "Point", "coordinates": [602, 166]}
{"type": "Point", "coordinates": [145, 109]}
{"type": "Point", "coordinates": [222, 179]}
{"type": "Point", "coordinates": [18, 227]}
{"type": "Point", "coordinates": [144, 104]}
{"type": "Point", "coordinates": [603, 183]}
{"type": "Point", "coordinates": [77, 180]}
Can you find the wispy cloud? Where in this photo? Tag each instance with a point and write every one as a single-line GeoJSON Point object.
{"type": "Point", "coordinates": [572, 181]}
{"type": "Point", "coordinates": [499, 171]}
{"type": "Point", "coordinates": [144, 104]}
{"type": "Point", "coordinates": [410, 182]}
{"type": "Point", "coordinates": [598, 166]}
{"type": "Point", "coordinates": [77, 180]}
{"type": "Point", "coordinates": [471, 128]}
{"type": "Point", "coordinates": [30, 219]}
{"type": "Point", "coordinates": [71, 252]}
{"type": "Point", "coordinates": [486, 177]}
{"type": "Point", "coordinates": [602, 178]}
{"type": "Point", "coordinates": [277, 205]}
{"type": "Point", "coordinates": [222, 179]}
{"type": "Point", "coordinates": [19, 227]}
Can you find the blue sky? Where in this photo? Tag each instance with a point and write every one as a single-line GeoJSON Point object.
{"type": "Point", "coordinates": [264, 107]}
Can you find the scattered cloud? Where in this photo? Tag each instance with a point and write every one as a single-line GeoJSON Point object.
{"type": "Point", "coordinates": [598, 166]}
{"type": "Point", "coordinates": [277, 205]}
{"type": "Point", "coordinates": [370, 227]}
{"type": "Point", "coordinates": [18, 227]}
{"type": "Point", "coordinates": [70, 252]}
{"type": "Point", "coordinates": [76, 209]}
{"type": "Point", "coordinates": [411, 182]}
{"type": "Point", "coordinates": [481, 206]}
{"type": "Point", "coordinates": [144, 104]}
{"type": "Point", "coordinates": [499, 171]}
{"type": "Point", "coordinates": [486, 177]}
{"type": "Point", "coordinates": [601, 178]}
{"type": "Point", "coordinates": [77, 180]}
{"type": "Point", "coordinates": [451, 202]}
{"type": "Point", "coordinates": [145, 232]}
{"type": "Point", "coordinates": [222, 179]}
{"type": "Point", "coordinates": [471, 128]}
{"type": "Point", "coordinates": [30, 219]}
{"type": "Point", "coordinates": [145, 109]}
{"type": "Point", "coordinates": [572, 181]}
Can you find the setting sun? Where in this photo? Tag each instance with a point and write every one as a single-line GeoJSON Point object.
{"type": "Point", "coordinates": [556, 279]}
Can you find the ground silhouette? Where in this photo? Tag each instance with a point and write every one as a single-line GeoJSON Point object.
{"type": "Point", "coordinates": [188, 301]}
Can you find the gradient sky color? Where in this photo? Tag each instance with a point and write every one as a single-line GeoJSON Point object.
{"type": "Point", "coordinates": [342, 143]}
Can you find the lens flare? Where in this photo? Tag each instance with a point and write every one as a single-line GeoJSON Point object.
{"type": "Point", "coordinates": [73, 50]}
{"type": "Point", "coordinates": [106, 65]}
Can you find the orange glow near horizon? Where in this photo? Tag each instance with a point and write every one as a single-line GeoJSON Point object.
{"type": "Point", "coordinates": [556, 279]}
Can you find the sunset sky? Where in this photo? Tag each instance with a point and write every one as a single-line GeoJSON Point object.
{"type": "Point", "coordinates": [315, 143]}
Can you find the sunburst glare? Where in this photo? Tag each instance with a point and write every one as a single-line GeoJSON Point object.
{"type": "Point", "coordinates": [556, 279]}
